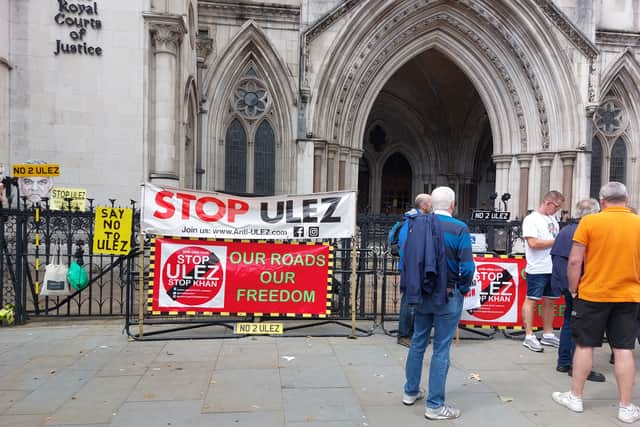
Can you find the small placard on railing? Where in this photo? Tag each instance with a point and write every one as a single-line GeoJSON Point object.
{"type": "Point", "coordinates": [112, 233]}
{"type": "Point", "coordinates": [491, 215]}
{"type": "Point", "coordinates": [259, 328]}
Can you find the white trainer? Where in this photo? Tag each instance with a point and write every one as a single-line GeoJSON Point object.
{"type": "Point", "coordinates": [550, 340]}
{"type": "Point", "coordinates": [532, 343]}
{"type": "Point", "coordinates": [568, 400]}
{"type": "Point", "coordinates": [408, 399]}
{"type": "Point", "coordinates": [445, 412]}
{"type": "Point", "coordinates": [629, 414]}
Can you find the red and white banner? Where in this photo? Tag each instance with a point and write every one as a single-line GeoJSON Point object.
{"type": "Point", "coordinates": [178, 212]}
{"type": "Point", "coordinates": [502, 287]}
{"type": "Point", "coordinates": [234, 277]}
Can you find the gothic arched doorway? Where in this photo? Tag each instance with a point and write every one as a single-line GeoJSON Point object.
{"type": "Point", "coordinates": [364, 176]}
{"type": "Point", "coordinates": [396, 185]}
{"type": "Point", "coordinates": [431, 112]}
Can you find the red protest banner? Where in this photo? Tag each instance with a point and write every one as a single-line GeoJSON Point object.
{"type": "Point", "coordinates": [503, 290]}
{"type": "Point", "coordinates": [234, 277]}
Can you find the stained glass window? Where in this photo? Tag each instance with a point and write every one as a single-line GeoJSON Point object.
{"type": "Point", "coordinates": [611, 118]}
{"type": "Point", "coordinates": [251, 99]}
{"type": "Point", "coordinates": [264, 164]}
{"type": "Point", "coordinates": [596, 168]}
{"type": "Point", "coordinates": [235, 171]}
{"type": "Point", "coordinates": [618, 167]}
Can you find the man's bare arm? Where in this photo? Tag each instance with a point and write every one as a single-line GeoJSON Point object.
{"type": "Point", "coordinates": [574, 267]}
{"type": "Point", "coordinates": [535, 243]}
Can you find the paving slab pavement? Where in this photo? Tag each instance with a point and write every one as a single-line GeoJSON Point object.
{"type": "Point", "coordinates": [89, 374]}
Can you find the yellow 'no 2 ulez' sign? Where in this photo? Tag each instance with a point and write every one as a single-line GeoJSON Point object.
{"type": "Point", "coordinates": [24, 170]}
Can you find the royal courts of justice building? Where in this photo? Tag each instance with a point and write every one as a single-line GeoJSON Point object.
{"type": "Point", "coordinates": [387, 97]}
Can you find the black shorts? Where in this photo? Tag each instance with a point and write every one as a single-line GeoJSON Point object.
{"type": "Point", "coordinates": [589, 321]}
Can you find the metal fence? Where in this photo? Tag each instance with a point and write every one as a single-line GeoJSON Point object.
{"type": "Point", "coordinates": [184, 325]}
{"type": "Point", "coordinates": [31, 238]}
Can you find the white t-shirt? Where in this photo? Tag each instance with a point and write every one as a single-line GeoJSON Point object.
{"type": "Point", "coordinates": [543, 227]}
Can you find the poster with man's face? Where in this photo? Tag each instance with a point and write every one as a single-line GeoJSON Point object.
{"type": "Point", "coordinates": [34, 188]}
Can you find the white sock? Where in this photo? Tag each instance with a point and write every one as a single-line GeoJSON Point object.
{"type": "Point", "coordinates": [530, 336]}
{"type": "Point", "coordinates": [551, 335]}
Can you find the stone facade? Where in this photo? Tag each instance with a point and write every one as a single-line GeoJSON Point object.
{"type": "Point", "coordinates": [390, 97]}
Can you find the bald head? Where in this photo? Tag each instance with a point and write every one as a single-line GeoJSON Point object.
{"type": "Point", "coordinates": [423, 203]}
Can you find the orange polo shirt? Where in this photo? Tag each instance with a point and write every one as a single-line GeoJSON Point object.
{"type": "Point", "coordinates": [612, 257]}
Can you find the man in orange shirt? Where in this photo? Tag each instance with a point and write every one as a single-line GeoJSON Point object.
{"type": "Point", "coordinates": [606, 297]}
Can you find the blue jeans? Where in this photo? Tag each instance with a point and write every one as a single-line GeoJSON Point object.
{"type": "Point", "coordinates": [444, 320]}
{"type": "Point", "coordinates": [405, 318]}
{"type": "Point", "coordinates": [567, 346]}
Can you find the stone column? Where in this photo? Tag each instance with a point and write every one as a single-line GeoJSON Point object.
{"type": "Point", "coordinates": [524, 160]}
{"type": "Point", "coordinates": [305, 151]}
{"type": "Point", "coordinates": [5, 71]}
{"type": "Point", "coordinates": [352, 183]}
{"type": "Point", "coordinates": [545, 160]}
{"type": "Point", "coordinates": [319, 149]}
{"type": "Point", "coordinates": [342, 168]}
{"type": "Point", "coordinates": [166, 39]}
{"type": "Point", "coordinates": [503, 166]}
{"type": "Point", "coordinates": [466, 203]}
{"type": "Point", "coordinates": [568, 161]}
{"type": "Point", "coordinates": [204, 48]}
{"type": "Point", "coordinates": [633, 184]}
{"type": "Point", "coordinates": [332, 154]}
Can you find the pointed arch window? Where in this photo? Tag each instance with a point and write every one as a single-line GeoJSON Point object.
{"type": "Point", "coordinates": [596, 168]}
{"type": "Point", "coordinates": [610, 154]}
{"type": "Point", "coordinates": [618, 165]}
{"type": "Point", "coordinates": [250, 148]}
{"type": "Point", "coordinates": [235, 170]}
{"type": "Point", "coordinates": [264, 163]}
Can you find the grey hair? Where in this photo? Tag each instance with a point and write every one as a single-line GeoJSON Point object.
{"type": "Point", "coordinates": [614, 191]}
{"type": "Point", "coordinates": [422, 199]}
{"type": "Point", "coordinates": [442, 197]}
{"type": "Point", "coordinates": [586, 207]}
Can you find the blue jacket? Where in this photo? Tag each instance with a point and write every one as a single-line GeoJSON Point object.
{"type": "Point", "coordinates": [424, 268]}
{"type": "Point", "coordinates": [560, 257]}
{"type": "Point", "coordinates": [457, 242]}
{"type": "Point", "coordinates": [402, 235]}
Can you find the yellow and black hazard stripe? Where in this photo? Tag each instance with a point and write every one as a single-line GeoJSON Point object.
{"type": "Point", "coordinates": [151, 282]}
{"type": "Point", "coordinates": [499, 256]}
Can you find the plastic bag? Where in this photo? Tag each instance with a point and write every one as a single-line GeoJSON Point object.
{"type": "Point", "coordinates": [77, 276]}
{"type": "Point", "coordinates": [55, 280]}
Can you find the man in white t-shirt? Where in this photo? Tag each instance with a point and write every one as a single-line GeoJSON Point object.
{"type": "Point", "coordinates": [539, 230]}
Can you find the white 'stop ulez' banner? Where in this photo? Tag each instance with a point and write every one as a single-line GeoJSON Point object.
{"type": "Point", "coordinates": [171, 211]}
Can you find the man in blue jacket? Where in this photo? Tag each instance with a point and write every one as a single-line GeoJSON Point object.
{"type": "Point", "coordinates": [405, 318]}
{"type": "Point", "coordinates": [559, 283]}
{"type": "Point", "coordinates": [436, 307]}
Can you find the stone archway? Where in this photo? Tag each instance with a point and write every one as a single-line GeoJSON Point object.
{"type": "Point", "coordinates": [430, 112]}
{"type": "Point", "coordinates": [523, 79]}
{"type": "Point", "coordinates": [396, 196]}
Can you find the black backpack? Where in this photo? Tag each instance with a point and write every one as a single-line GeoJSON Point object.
{"type": "Point", "coordinates": [394, 236]}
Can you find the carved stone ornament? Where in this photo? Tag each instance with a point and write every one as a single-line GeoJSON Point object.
{"type": "Point", "coordinates": [555, 15]}
{"type": "Point", "coordinates": [204, 48]}
{"type": "Point", "coordinates": [421, 27]}
{"type": "Point", "coordinates": [251, 98]}
{"type": "Point", "coordinates": [166, 37]}
{"type": "Point", "coordinates": [611, 118]}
